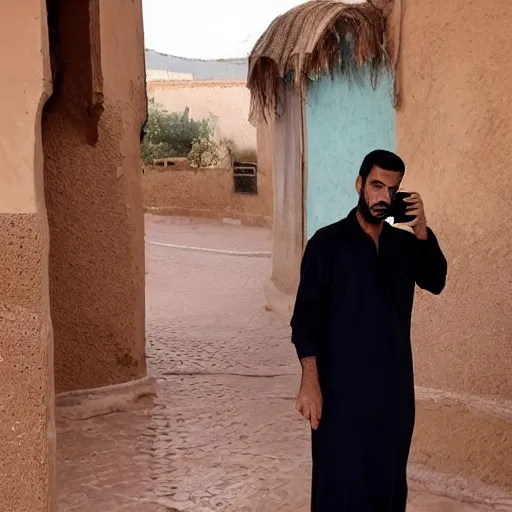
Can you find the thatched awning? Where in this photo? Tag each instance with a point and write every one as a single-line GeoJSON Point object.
{"type": "Point", "coordinates": [307, 41]}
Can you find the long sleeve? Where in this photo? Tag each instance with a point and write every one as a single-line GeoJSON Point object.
{"type": "Point", "coordinates": [309, 320]}
{"type": "Point", "coordinates": [431, 265]}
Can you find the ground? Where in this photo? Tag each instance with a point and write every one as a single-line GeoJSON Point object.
{"type": "Point", "coordinates": [222, 434]}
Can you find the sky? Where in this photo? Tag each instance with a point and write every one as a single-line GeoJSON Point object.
{"type": "Point", "coordinates": [208, 29]}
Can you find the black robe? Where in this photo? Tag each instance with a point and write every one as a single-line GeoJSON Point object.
{"type": "Point", "coordinates": [353, 312]}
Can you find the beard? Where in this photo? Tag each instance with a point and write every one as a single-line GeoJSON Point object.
{"type": "Point", "coordinates": [368, 215]}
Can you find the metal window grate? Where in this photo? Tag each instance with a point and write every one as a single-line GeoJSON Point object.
{"type": "Point", "coordinates": [245, 178]}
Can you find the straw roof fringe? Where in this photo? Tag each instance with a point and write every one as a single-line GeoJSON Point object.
{"type": "Point", "coordinates": [307, 41]}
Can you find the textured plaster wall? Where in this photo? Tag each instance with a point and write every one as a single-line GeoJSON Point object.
{"type": "Point", "coordinates": [344, 121]}
{"type": "Point", "coordinates": [455, 132]}
{"type": "Point", "coordinates": [265, 136]}
{"type": "Point", "coordinates": [94, 200]}
{"type": "Point", "coordinates": [27, 429]}
{"type": "Point", "coordinates": [228, 101]}
{"type": "Point", "coordinates": [287, 236]}
{"type": "Point", "coordinates": [203, 192]}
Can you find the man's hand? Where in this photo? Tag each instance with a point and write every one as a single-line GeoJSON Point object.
{"type": "Point", "coordinates": [309, 401]}
{"type": "Point", "coordinates": [416, 208]}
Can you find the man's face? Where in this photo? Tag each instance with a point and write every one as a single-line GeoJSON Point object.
{"type": "Point", "coordinates": [377, 193]}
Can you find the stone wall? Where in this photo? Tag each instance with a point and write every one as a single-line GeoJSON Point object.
{"type": "Point", "coordinates": [27, 427]}
{"type": "Point", "coordinates": [204, 193]}
{"type": "Point", "coordinates": [71, 222]}
{"type": "Point", "coordinates": [91, 131]}
{"type": "Point", "coordinates": [454, 131]}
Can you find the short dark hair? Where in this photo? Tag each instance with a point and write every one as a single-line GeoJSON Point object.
{"type": "Point", "coordinates": [386, 160]}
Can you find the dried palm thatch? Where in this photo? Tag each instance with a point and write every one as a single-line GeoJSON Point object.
{"type": "Point", "coordinates": [307, 41]}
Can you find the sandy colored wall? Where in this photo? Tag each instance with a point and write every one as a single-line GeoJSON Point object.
{"type": "Point", "coordinates": [288, 223]}
{"type": "Point", "coordinates": [455, 134]}
{"type": "Point", "coordinates": [94, 198]}
{"type": "Point", "coordinates": [27, 429]}
{"type": "Point", "coordinates": [203, 192]}
{"type": "Point", "coordinates": [265, 137]}
{"type": "Point", "coordinates": [162, 74]}
{"type": "Point", "coordinates": [228, 101]}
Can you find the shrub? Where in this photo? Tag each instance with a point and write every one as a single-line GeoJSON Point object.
{"type": "Point", "coordinates": [204, 152]}
{"type": "Point", "coordinates": [170, 135]}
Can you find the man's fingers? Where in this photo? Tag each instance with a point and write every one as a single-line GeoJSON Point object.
{"type": "Point", "coordinates": [316, 413]}
{"type": "Point", "coordinates": [305, 411]}
{"type": "Point", "coordinates": [313, 412]}
{"type": "Point", "coordinates": [314, 417]}
{"type": "Point", "coordinates": [413, 199]}
{"type": "Point", "coordinates": [413, 222]}
{"type": "Point", "coordinates": [310, 411]}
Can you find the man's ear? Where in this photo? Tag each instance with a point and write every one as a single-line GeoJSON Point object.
{"type": "Point", "coordinates": [359, 185]}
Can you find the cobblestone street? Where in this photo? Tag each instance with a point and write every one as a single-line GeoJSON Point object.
{"type": "Point", "coordinates": [222, 434]}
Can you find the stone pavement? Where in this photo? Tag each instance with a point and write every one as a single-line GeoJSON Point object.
{"type": "Point", "coordinates": [222, 434]}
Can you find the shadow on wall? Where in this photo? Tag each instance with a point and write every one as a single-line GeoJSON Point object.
{"type": "Point", "coordinates": [93, 202]}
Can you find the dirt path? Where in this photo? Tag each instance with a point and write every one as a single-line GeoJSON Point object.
{"type": "Point", "coordinates": [222, 434]}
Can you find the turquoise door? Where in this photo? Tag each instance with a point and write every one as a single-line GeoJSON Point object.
{"type": "Point", "coordinates": [344, 122]}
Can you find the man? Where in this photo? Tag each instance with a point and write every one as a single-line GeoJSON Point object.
{"type": "Point", "coordinates": [351, 329]}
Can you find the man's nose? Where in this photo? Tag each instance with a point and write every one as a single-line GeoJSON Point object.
{"type": "Point", "coordinates": [385, 196]}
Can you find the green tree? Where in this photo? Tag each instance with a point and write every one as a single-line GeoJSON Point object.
{"type": "Point", "coordinates": [170, 135]}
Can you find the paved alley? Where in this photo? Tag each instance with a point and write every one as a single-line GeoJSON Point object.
{"type": "Point", "coordinates": [222, 434]}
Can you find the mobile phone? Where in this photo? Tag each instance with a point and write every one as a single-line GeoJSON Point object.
{"type": "Point", "coordinates": [399, 209]}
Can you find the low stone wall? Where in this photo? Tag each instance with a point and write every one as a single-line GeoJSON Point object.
{"type": "Point", "coordinates": [182, 190]}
